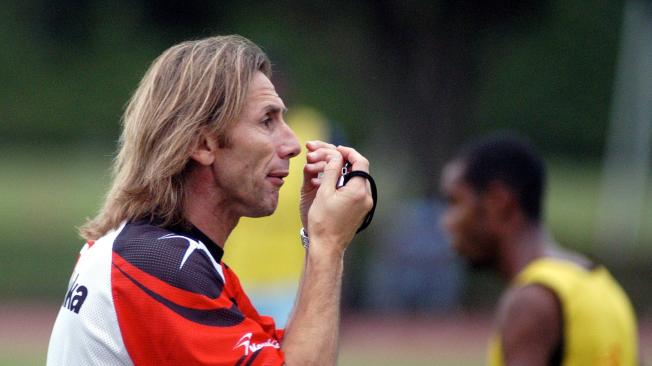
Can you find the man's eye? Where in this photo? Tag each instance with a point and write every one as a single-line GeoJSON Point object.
{"type": "Point", "coordinates": [267, 122]}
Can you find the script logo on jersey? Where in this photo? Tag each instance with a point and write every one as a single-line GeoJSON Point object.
{"type": "Point", "coordinates": [75, 296]}
{"type": "Point", "coordinates": [245, 342]}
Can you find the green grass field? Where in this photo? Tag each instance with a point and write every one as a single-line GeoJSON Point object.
{"type": "Point", "coordinates": [573, 204]}
{"type": "Point", "coordinates": [45, 195]}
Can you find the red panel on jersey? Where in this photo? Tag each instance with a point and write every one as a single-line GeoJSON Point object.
{"type": "Point", "coordinates": [165, 325]}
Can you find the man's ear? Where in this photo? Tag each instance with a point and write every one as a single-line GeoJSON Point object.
{"type": "Point", "coordinates": [205, 149]}
{"type": "Point", "coordinates": [500, 201]}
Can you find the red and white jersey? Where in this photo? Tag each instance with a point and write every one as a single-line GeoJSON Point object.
{"type": "Point", "coordinates": [145, 295]}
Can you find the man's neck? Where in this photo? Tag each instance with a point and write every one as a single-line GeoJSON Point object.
{"type": "Point", "coordinates": [207, 210]}
{"type": "Point", "coordinates": [216, 227]}
{"type": "Point", "coordinates": [521, 248]}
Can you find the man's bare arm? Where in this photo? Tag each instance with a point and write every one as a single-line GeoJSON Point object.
{"type": "Point", "coordinates": [531, 326]}
{"type": "Point", "coordinates": [311, 337]}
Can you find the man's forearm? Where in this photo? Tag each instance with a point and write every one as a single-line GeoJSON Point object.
{"type": "Point", "coordinates": [311, 337]}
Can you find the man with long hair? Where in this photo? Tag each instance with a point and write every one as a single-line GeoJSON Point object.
{"type": "Point", "coordinates": [203, 144]}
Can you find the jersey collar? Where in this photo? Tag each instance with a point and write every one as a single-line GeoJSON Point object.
{"type": "Point", "coordinates": [193, 232]}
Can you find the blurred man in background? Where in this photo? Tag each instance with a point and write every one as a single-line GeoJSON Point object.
{"type": "Point", "coordinates": [560, 308]}
{"type": "Point", "coordinates": [204, 143]}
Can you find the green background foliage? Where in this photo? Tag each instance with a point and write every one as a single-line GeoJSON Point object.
{"type": "Point", "coordinates": [421, 77]}
{"type": "Point", "coordinates": [405, 82]}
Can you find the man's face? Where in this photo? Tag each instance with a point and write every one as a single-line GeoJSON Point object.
{"type": "Point", "coordinates": [465, 218]}
{"type": "Point", "coordinates": [250, 169]}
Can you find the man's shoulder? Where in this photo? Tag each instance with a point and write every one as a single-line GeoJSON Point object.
{"type": "Point", "coordinates": [178, 259]}
{"type": "Point", "coordinates": [533, 301]}
{"type": "Point", "coordinates": [534, 297]}
{"type": "Point", "coordinates": [530, 321]}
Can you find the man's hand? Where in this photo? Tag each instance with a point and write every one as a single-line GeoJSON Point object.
{"type": "Point", "coordinates": [330, 215]}
{"type": "Point", "coordinates": [318, 154]}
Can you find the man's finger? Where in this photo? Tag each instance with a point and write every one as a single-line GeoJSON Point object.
{"type": "Point", "coordinates": [321, 154]}
{"type": "Point", "coordinates": [316, 144]}
{"type": "Point", "coordinates": [332, 172]}
{"type": "Point", "coordinates": [358, 162]}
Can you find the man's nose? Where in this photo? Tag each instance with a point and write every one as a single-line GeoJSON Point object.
{"type": "Point", "coordinates": [290, 146]}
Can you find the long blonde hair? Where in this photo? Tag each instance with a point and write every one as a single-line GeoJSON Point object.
{"type": "Point", "coordinates": [192, 86]}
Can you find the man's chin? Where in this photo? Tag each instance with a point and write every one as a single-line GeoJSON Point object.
{"type": "Point", "coordinates": [475, 262]}
{"type": "Point", "coordinates": [261, 214]}
{"type": "Point", "coordinates": [479, 264]}
{"type": "Point", "coordinates": [263, 210]}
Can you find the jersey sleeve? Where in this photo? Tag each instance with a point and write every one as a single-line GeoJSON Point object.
{"type": "Point", "coordinates": [235, 291]}
{"type": "Point", "coordinates": [189, 314]}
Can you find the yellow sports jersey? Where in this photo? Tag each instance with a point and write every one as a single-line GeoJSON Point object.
{"type": "Point", "coordinates": [599, 321]}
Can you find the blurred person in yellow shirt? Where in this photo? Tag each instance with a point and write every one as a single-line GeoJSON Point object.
{"type": "Point", "coordinates": [560, 308]}
{"type": "Point", "coordinates": [270, 273]}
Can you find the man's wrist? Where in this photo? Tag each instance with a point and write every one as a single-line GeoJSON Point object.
{"type": "Point", "coordinates": [305, 240]}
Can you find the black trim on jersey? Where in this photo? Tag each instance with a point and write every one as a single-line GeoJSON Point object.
{"type": "Point", "coordinates": [253, 357]}
{"type": "Point", "coordinates": [221, 317]}
{"type": "Point", "coordinates": [558, 353]}
{"type": "Point", "coordinates": [160, 252]}
{"type": "Point", "coordinates": [240, 361]}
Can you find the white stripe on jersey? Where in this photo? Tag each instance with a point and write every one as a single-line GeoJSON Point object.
{"type": "Point", "coordinates": [86, 331]}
